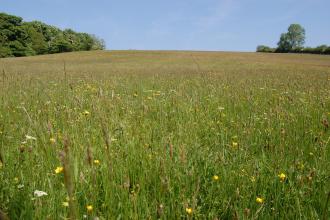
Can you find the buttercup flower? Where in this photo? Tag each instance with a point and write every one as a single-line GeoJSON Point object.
{"type": "Point", "coordinates": [52, 140]}
{"type": "Point", "coordinates": [215, 177]}
{"type": "Point", "coordinates": [282, 177]}
{"type": "Point", "coordinates": [89, 208]}
{"type": "Point", "coordinates": [189, 211]}
{"type": "Point", "coordinates": [259, 200]}
{"type": "Point", "coordinates": [59, 170]}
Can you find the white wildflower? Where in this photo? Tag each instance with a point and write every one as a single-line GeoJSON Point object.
{"type": "Point", "coordinates": [38, 193]}
{"type": "Point", "coordinates": [28, 137]}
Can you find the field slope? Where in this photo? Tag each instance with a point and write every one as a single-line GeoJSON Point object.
{"type": "Point", "coordinates": [165, 134]}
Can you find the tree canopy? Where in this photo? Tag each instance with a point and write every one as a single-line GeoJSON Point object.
{"type": "Point", "coordinates": [19, 38]}
{"type": "Point", "coordinates": [293, 39]}
{"type": "Point", "coordinates": [293, 42]}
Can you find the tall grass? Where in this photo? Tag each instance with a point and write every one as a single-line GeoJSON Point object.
{"type": "Point", "coordinates": [169, 135]}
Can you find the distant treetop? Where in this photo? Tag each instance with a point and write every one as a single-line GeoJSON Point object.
{"type": "Point", "coordinates": [293, 39]}
{"type": "Point", "coordinates": [293, 42]}
{"type": "Point", "coordinates": [19, 38]}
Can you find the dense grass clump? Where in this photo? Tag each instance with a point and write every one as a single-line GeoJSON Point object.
{"type": "Point", "coordinates": [169, 135]}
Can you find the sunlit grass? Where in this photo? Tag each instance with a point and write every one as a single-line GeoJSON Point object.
{"type": "Point", "coordinates": [170, 135]}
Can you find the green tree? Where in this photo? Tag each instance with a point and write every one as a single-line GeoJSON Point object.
{"type": "Point", "coordinates": [284, 43]}
{"type": "Point", "coordinates": [18, 38]}
{"type": "Point", "coordinates": [73, 39]}
{"type": "Point", "coordinates": [98, 43]}
{"type": "Point", "coordinates": [86, 41]}
{"type": "Point", "coordinates": [14, 36]}
{"type": "Point", "coordinates": [5, 51]}
{"type": "Point", "coordinates": [293, 40]}
{"type": "Point", "coordinates": [59, 45]}
{"type": "Point", "coordinates": [296, 36]}
{"type": "Point", "coordinates": [36, 39]}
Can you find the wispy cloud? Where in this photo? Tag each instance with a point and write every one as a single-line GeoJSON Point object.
{"type": "Point", "coordinates": [207, 20]}
{"type": "Point", "coordinates": [217, 14]}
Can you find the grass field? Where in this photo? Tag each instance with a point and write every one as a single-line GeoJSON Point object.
{"type": "Point", "coordinates": [169, 135]}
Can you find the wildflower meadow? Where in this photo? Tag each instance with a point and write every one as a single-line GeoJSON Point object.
{"type": "Point", "coordinates": [165, 135]}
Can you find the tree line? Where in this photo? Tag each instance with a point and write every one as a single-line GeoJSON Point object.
{"type": "Point", "coordinates": [293, 42]}
{"type": "Point", "coordinates": [19, 38]}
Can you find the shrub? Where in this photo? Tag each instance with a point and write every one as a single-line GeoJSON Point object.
{"type": "Point", "coordinates": [265, 49]}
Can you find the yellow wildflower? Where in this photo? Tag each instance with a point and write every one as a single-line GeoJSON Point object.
{"type": "Point", "coordinates": [215, 177]}
{"type": "Point", "coordinates": [86, 113]}
{"type": "Point", "coordinates": [96, 162]}
{"type": "Point", "coordinates": [189, 211]}
{"type": "Point", "coordinates": [65, 204]}
{"type": "Point", "coordinates": [282, 177]}
{"type": "Point", "coordinates": [59, 170]}
{"type": "Point", "coordinates": [52, 140]}
{"type": "Point", "coordinates": [235, 144]}
{"type": "Point", "coordinates": [259, 200]}
{"type": "Point", "coordinates": [16, 180]}
{"type": "Point", "coordinates": [89, 208]}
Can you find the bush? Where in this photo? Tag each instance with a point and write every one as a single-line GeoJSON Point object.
{"type": "Point", "coordinates": [297, 50]}
{"type": "Point", "coordinates": [5, 52]}
{"type": "Point", "coordinates": [265, 49]}
{"type": "Point", "coordinates": [322, 49]}
{"type": "Point", "coordinates": [327, 51]}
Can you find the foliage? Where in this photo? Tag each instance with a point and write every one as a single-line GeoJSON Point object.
{"type": "Point", "coordinates": [296, 36]}
{"type": "Point", "coordinates": [265, 49]}
{"type": "Point", "coordinates": [152, 135]}
{"type": "Point", "coordinates": [284, 43]}
{"type": "Point", "coordinates": [293, 41]}
{"type": "Point", "coordinates": [20, 38]}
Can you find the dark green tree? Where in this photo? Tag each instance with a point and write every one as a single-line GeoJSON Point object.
{"type": "Point", "coordinates": [86, 41]}
{"type": "Point", "coordinates": [36, 39]}
{"type": "Point", "coordinates": [284, 43]}
{"type": "Point", "coordinates": [59, 45]}
{"type": "Point", "coordinates": [18, 38]}
{"type": "Point", "coordinates": [293, 40]}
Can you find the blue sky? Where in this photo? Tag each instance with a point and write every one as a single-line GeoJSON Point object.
{"type": "Point", "coordinates": [227, 25]}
